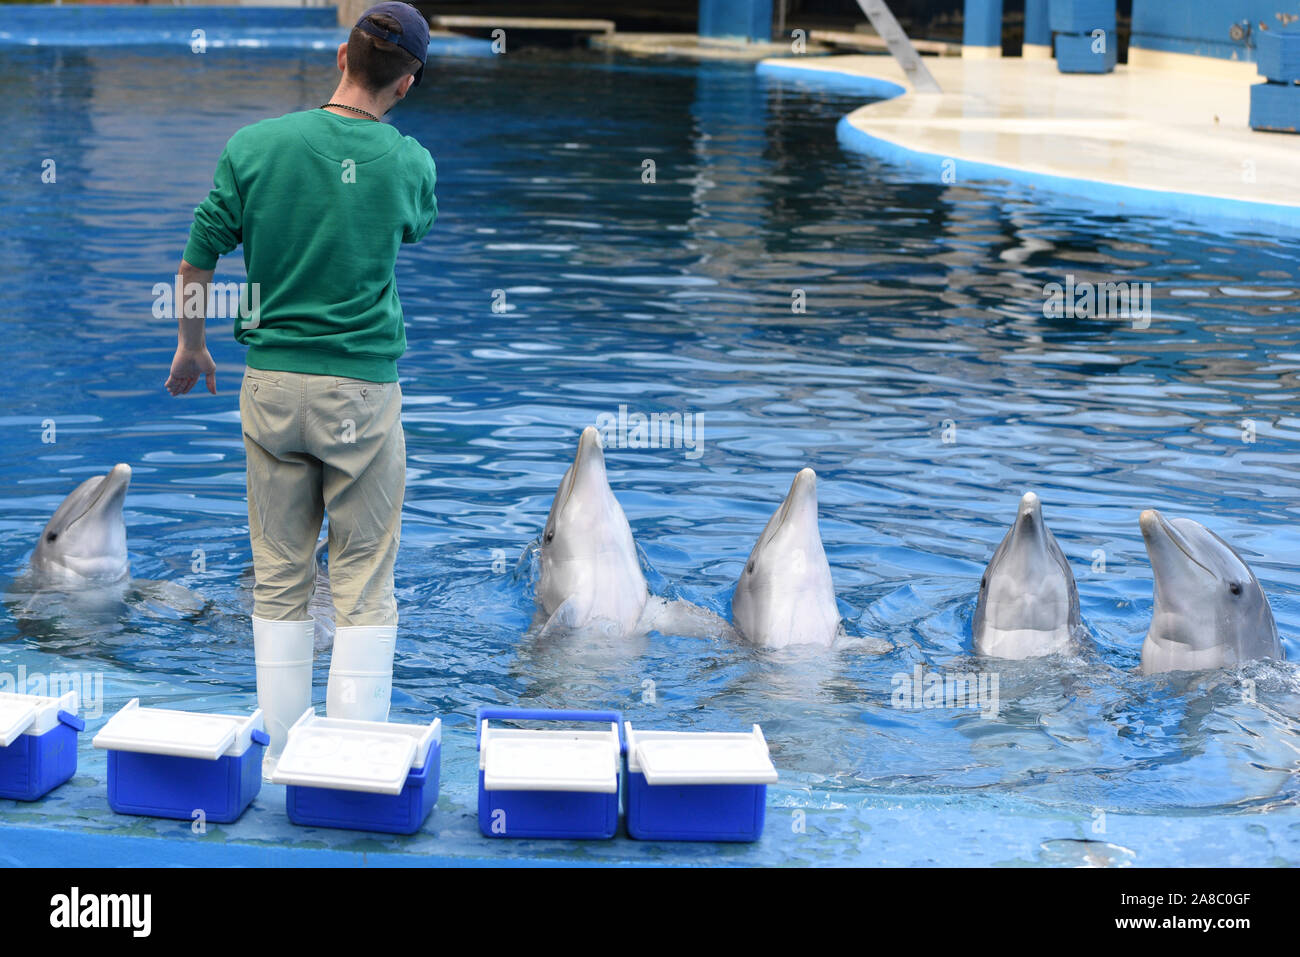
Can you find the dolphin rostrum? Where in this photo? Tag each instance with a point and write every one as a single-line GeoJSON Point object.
{"type": "Point", "coordinates": [85, 540]}
{"type": "Point", "coordinates": [1028, 603]}
{"type": "Point", "coordinates": [1210, 611]}
{"type": "Point", "coordinates": [785, 595]}
{"type": "Point", "coordinates": [591, 577]}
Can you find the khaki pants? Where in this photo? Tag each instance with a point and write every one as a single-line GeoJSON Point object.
{"type": "Point", "coordinates": [315, 445]}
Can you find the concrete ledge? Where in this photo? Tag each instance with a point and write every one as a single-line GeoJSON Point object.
{"type": "Point", "coordinates": [1155, 141]}
{"type": "Point", "coordinates": [690, 46]}
{"type": "Point", "coordinates": [863, 40]}
{"type": "Point", "coordinates": [565, 25]}
{"type": "Point", "coordinates": [1146, 58]}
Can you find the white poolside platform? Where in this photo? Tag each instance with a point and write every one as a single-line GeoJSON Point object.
{"type": "Point", "coordinates": [450, 21]}
{"type": "Point", "coordinates": [1181, 132]}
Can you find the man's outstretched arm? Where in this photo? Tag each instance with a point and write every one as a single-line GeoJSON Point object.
{"type": "Point", "coordinates": [192, 360]}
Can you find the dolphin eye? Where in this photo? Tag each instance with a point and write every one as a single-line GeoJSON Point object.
{"type": "Point", "coordinates": [549, 535]}
{"type": "Point", "coordinates": [750, 567]}
{"type": "Point", "coordinates": [1235, 588]}
{"type": "Point", "coordinates": [984, 583]}
{"type": "Point", "coordinates": [51, 536]}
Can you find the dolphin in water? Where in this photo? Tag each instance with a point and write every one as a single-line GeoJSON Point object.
{"type": "Point", "coordinates": [1028, 603]}
{"type": "Point", "coordinates": [84, 542]}
{"type": "Point", "coordinates": [1210, 611]}
{"type": "Point", "coordinates": [591, 577]}
{"type": "Point", "coordinates": [785, 595]}
{"type": "Point", "coordinates": [77, 591]}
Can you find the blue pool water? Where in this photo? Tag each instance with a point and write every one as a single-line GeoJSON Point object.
{"type": "Point", "coordinates": [924, 309]}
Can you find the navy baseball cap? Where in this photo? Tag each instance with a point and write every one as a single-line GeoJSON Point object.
{"type": "Point", "coordinates": [414, 34]}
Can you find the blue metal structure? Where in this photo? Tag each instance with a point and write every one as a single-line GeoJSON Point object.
{"type": "Point", "coordinates": [737, 19]}
{"type": "Point", "coordinates": [982, 24]}
{"type": "Point", "coordinates": [1227, 29]}
{"type": "Point", "coordinates": [1037, 31]}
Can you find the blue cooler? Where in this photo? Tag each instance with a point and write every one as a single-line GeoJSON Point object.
{"type": "Point", "coordinates": [360, 775]}
{"type": "Point", "coordinates": [548, 783]}
{"type": "Point", "coordinates": [38, 744]}
{"type": "Point", "coordinates": [177, 763]}
{"type": "Point", "coordinates": [697, 785]}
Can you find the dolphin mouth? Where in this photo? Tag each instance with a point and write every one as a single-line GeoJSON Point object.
{"type": "Point", "coordinates": [802, 494]}
{"type": "Point", "coordinates": [588, 446]}
{"type": "Point", "coordinates": [1153, 524]}
{"type": "Point", "coordinates": [1030, 513]}
{"type": "Point", "coordinates": [1029, 530]}
{"type": "Point", "coordinates": [113, 487]}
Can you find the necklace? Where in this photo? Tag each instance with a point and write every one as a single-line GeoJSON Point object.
{"type": "Point", "coordinates": [354, 109]}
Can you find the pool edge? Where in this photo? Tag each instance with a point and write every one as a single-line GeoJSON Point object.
{"type": "Point", "coordinates": [1201, 208]}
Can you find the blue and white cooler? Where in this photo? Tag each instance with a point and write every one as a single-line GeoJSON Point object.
{"type": "Point", "coordinates": [360, 775]}
{"type": "Point", "coordinates": [182, 764]}
{"type": "Point", "coordinates": [38, 744]}
{"type": "Point", "coordinates": [697, 785]}
{"type": "Point", "coordinates": [552, 783]}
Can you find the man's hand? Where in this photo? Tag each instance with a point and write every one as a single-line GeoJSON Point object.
{"type": "Point", "coordinates": [192, 361]}
{"type": "Point", "coordinates": [188, 366]}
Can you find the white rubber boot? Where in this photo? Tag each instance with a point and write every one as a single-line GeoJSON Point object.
{"type": "Point", "coordinates": [361, 672]}
{"type": "Point", "coordinates": [283, 653]}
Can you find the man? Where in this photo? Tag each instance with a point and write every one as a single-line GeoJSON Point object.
{"type": "Point", "coordinates": [321, 201]}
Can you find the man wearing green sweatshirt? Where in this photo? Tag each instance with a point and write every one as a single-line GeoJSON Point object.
{"type": "Point", "coordinates": [321, 201]}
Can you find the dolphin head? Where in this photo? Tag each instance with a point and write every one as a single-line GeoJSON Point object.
{"type": "Point", "coordinates": [1209, 611]}
{"type": "Point", "coordinates": [1028, 603]}
{"type": "Point", "coordinates": [85, 540]}
{"type": "Point", "coordinates": [785, 595]}
{"type": "Point", "coordinates": [589, 562]}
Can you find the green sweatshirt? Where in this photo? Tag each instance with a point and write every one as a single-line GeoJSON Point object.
{"type": "Point", "coordinates": [321, 203]}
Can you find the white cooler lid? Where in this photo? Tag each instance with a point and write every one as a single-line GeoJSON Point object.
{"type": "Point", "coordinates": [31, 714]}
{"type": "Point", "coordinates": [370, 756]}
{"type": "Point", "coordinates": [550, 761]}
{"type": "Point", "coordinates": [17, 713]}
{"type": "Point", "coordinates": [700, 757]}
{"type": "Point", "coordinates": [184, 734]}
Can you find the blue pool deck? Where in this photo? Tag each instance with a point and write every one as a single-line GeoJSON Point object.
{"type": "Point", "coordinates": [806, 826]}
{"type": "Point", "coordinates": [1164, 141]}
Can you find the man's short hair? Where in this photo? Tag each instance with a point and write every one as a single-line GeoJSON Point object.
{"type": "Point", "coordinates": [375, 63]}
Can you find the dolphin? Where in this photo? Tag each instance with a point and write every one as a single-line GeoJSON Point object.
{"type": "Point", "coordinates": [84, 542]}
{"type": "Point", "coordinates": [785, 595]}
{"type": "Point", "coordinates": [1210, 611]}
{"type": "Point", "coordinates": [1028, 603]}
{"type": "Point", "coordinates": [77, 592]}
{"type": "Point", "coordinates": [591, 577]}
